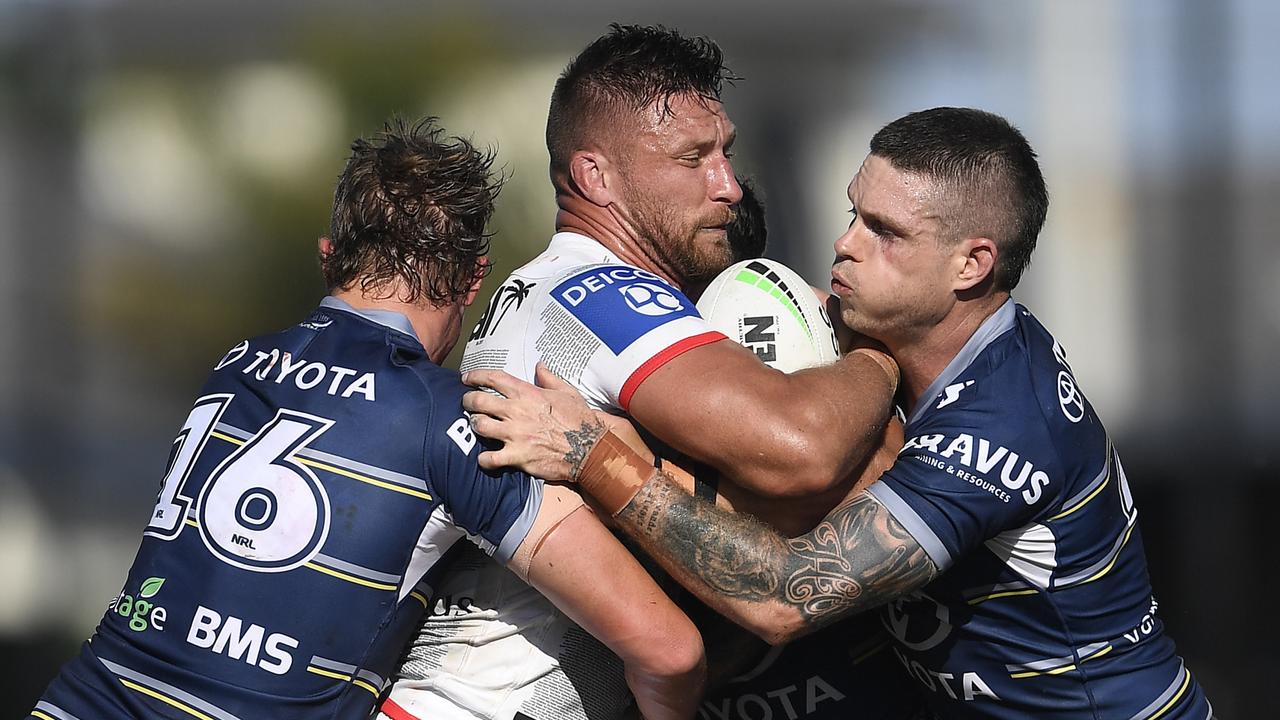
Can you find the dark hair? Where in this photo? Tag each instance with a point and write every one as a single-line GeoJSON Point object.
{"type": "Point", "coordinates": [411, 206]}
{"type": "Point", "coordinates": [626, 70]}
{"type": "Point", "coordinates": [988, 166]}
{"type": "Point", "coordinates": [749, 231]}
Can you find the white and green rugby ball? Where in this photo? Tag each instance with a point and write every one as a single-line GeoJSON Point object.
{"type": "Point", "coordinates": [772, 311]}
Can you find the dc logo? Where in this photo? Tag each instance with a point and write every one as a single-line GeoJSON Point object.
{"type": "Point", "coordinates": [650, 299]}
{"type": "Point", "coordinates": [1069, 397]}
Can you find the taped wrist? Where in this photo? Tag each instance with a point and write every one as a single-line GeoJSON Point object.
{"type": "Point", "coordinates": [688, 481]}
{"type": "Point", "coordinates": [613, 473]}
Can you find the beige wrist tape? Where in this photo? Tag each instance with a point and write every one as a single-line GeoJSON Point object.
{"type": "Point", "coordinates": [613, 473]}
{"type": "Point", "coordinates": [884, 361]}
{"type": "Point", "coordinates": [678, 475]}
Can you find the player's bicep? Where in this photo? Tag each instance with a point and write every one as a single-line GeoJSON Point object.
{"type": "Point", "coordinates": [707, 402]}
{"type": "Point", "coordinates": [794, 516]}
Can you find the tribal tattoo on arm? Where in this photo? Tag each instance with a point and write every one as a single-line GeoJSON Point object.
{"type": "Point", "coordinates": [857, 558]}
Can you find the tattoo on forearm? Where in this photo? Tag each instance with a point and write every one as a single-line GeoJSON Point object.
{"type": "Point", "coordinates": [580, 443]}
{"type": "Point", "coordinates": [857, 558]}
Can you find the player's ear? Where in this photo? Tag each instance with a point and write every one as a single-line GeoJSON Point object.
{"type": "Point", "coordinates": [591, 173]}
{"type": "Point", "coordinates": [477, 279]}
{"type": "Point", "coordinates": [325, 246]}
{"type": "Point", "coordinates": [976, 258]}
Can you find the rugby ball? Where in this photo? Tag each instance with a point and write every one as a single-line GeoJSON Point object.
{"type": "Point", "coordinates": [772, 311]}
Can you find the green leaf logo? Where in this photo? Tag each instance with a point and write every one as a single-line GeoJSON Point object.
{"type": "Point", "coordinates": [151, 587]}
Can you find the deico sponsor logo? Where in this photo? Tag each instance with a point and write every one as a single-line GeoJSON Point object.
{"type": "Point", "coordinates": [251, 644]}
{"type": "Point", "coordinates": [980, 463]}
{"type": "Point", "coordinates": [585, 285]}
{"type": "Point", "coordinates": [619, 304]}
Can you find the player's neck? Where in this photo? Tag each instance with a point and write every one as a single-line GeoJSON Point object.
{"type": "Point", "coordinates": [922, 357]}
{"type": "Point", "coordinates": [432, 324]}
{"type": "Point", "coordinates": [607, 227]}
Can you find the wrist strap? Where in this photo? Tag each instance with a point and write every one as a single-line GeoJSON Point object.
{"type": "Point", "coordinates": [613, 473]}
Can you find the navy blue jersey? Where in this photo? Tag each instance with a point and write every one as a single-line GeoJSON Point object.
{"type": "Point", "coordinates": [1043, 607]}
{"type": "Point", "coordinates": [309, 502]}
{"type": "Point", "coordinates": [844, 672]}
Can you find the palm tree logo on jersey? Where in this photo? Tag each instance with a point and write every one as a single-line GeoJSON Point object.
{"type": "Point", "coordinates": [512, 292]}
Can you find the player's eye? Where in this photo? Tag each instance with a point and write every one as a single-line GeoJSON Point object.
{"type": "Point", "coordinates": [853, 216]}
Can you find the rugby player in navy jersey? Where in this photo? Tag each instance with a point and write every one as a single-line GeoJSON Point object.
{"type": "Point", "coordinates": [326, 474]}
{"type": "Point", "coordinates": [639, 146]}
{"type": "Point", "coordinates": [1001, 547]}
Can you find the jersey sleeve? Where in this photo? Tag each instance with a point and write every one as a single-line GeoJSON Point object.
{"type": "Point", "coordinates": [606, 328]}
{"type": "Point", "coordinates": [495, 509]}
{"type": "Point", "coordinates": [953, 488]}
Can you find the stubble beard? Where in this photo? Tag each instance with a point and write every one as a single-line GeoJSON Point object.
{"type": "Point", "coordinates": [676, 243]}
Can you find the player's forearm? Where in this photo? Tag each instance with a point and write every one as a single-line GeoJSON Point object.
{"type": "Point", "coordinates": [667, 696]}
{"type": "Point", "coordinates": [664, 662]}
{"type": "Point", "coordinates": [731, 562]}
{"type": "Point", "coordinates": [582, 568]}
{"type": "Point", "coordinates": [855, 559]}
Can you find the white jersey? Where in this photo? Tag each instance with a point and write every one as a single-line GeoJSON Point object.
{"type": "Point", "coordinates": [493, 647]}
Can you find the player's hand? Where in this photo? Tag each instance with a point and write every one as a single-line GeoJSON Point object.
{"type": "Point", "coordinates": [546, 431]}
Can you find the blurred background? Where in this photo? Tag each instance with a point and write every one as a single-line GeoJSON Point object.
{"type": "Point", "coordinates": [166, 168]}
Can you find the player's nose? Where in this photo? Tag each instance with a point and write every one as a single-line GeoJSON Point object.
{"type": "Point", "coordinates": [724, 186]}
{"type": "Point", "coordinates": [846, 246]}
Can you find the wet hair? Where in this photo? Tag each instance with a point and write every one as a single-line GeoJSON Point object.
{"type": "Point", "coordinates": [626, 71]}
{"type": "Point", "coordinates": [988, 170]}
{"type": "Point", "coordinates": [749, 232]}
{"type": "Point", "coordinates": [411, 206]}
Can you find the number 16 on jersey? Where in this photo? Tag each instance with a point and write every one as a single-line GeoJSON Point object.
{"type": "Point", "coordinates": [261, 509]}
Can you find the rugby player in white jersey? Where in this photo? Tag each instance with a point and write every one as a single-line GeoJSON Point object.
{"type": "Point", "coordinates": [639, 146]}
{"type": "Point", "coordinates": [1001, 549]}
